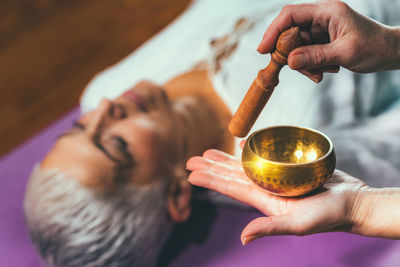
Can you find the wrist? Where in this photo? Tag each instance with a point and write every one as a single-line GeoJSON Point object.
{"type": "Point", "coordinates": [360, 209]}
{"type": "Point", "coordinates": [375, 212]}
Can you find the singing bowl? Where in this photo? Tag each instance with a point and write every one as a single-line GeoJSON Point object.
{"type": "Point", "coordinates": [288, 160]}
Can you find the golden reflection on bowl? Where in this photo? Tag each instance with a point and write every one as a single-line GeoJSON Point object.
{"type": "Point", "coordinates": [288, 160]}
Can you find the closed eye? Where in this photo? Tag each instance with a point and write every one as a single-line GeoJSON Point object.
{"type": "Point", "coordinates": [120, 142]}
{"type": "Point", "coordinates": [122, 146]}
{"type": "Point", "coordinates": [107, 148]}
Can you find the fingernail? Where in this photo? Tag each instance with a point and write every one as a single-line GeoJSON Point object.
{"type": "Point", "coordinates": [188, 167]}
{"type": "Point", "coordinates": [249, 239]}
{"type": "Point", "coordinates": [298, 61]}
{"type": "Point", "coordinates": [332, 69]}
{"type": "Point", "coordinates": [314, 79]}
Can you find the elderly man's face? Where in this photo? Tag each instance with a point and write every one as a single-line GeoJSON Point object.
{"type": "Point", "coordinates": [137, 136]}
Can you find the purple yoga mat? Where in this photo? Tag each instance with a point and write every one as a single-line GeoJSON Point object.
{"type": "Point", "coordinates": [220, 245]}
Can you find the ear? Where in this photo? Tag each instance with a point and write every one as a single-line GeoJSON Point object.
{"type": "Point", "coordinates": [179, 200]}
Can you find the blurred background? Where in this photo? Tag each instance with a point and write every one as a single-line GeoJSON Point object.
{"type": "Point", "coordinates": [50, 49]}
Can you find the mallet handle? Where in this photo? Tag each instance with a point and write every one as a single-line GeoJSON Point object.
{"type": "Point", "coordinates": [262, 87]}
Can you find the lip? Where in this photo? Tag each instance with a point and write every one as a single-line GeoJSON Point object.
{"type": "Point", "coordinates": [136, 99]}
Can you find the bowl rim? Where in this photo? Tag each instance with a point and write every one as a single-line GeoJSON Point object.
{"type": "Point", "coordinates": [327, 154]}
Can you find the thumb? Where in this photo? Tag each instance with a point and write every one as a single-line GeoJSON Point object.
{"type": "Point", "coordinates": [313, 56]}
{"type": "Point", "coordinates": [267, 226]}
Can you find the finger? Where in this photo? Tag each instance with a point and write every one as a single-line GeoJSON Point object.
{"type": "Point", "coordinates": [306, 38]}
{"type": "Point", "coordinates": [268, 226]}
{"type": "Point", "coordinates": [315, 77]}
{"type": "Point", "coordinates": [241, 189]}
{"type": "Point", "coordinates": [291, 15]}
{"type": "Point", "coordinates": [328, 69]}
{"type": "Point", "coordinates": [235, 188]}
{"type": "Point", "coordinates": [220, 156]}
{"type": "Point", "coordinates": [201, 163]}
{"type": "Point", "coordinates": [314, 56]}
{"type": "Point", "coordinates": [225, 164]}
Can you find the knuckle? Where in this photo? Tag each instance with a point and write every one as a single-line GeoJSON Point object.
{"type": "Point", "coordinates": [319, 57]}
{"type": "Point", "coordinates": [208, 151]}
{"type": "Point", "coordinates": [340, 6]}
{"type": "Point", "coordinates": [287, 9]}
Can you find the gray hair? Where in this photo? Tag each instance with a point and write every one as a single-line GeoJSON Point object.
{"type": "Point", "coordinates": [72, 225]}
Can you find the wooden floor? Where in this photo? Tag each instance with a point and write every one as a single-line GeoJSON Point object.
{"type": "Point", "coordinates": [49, 50]}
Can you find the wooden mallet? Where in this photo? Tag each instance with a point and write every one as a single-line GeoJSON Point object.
{"type": "Point", "coordinates": [263, 86]}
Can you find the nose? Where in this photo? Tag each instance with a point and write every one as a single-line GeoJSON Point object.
{"type": "Point", "coordinates": [98, 118]}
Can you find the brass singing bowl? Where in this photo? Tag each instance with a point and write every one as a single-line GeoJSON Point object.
{"type": "Point", "coordinates": [288, 160]}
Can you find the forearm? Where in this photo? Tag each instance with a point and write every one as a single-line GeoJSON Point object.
{"type": "Point", "coordinates": [376, 213]}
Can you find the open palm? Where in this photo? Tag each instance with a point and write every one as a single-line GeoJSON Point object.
{"type": "Point", "coordinates": [328, 209]}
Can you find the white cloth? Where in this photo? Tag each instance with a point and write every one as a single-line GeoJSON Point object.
{"type": "Point", "coordinates": [358, 112]}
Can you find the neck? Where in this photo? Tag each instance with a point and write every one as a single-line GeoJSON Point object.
{"type": "Point", "coordinates": [204, 115]}
{"type": "Point", "coordinates": [201, 126]}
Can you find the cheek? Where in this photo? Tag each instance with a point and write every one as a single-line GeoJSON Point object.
{"type": "Point", "coordinates": [147, 141]}
{"type": "Point", "coordinates": [153, 159]}
{"type": "Point", "coordinates": [156, 149]}
{"type": "Point", "coordinates": [154, 145]}
{"type": "Point", "coordinates": [159, 134]}
{"type": "Point", "coordinates": [157, 152]}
